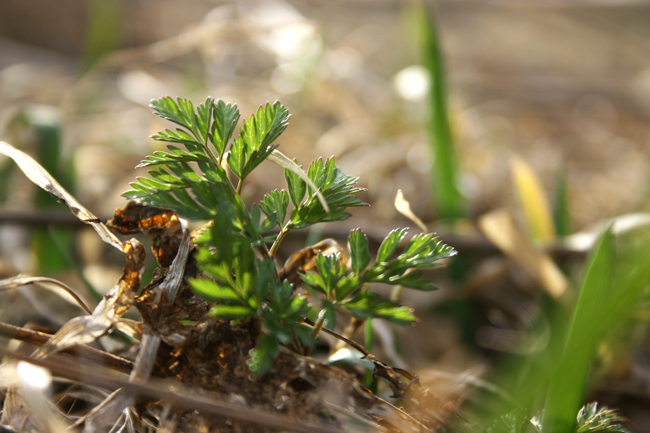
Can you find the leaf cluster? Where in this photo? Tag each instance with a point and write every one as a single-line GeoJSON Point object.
{"type": "Point", "coordinates": [347, 287]}
{"type": "Point", "coordinates": [590, 419]}
{"type": "Point", "coordinates": [200, 176]}
{"type": "Point", "coordinates": [594, 420]}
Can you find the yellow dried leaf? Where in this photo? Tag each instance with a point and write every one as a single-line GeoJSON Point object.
{"type": "Point", "coordinates": [533, 201]}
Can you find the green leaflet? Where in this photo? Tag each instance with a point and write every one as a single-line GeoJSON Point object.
{"type": "Point", "coordinates": [337, 188]}
{"type": "Point", "coordinates": [358, 246]}
{"type": "Point", "coordinates": [276, 203]}
{"type": "Point", "coordinates": [254, 142]}
{"type": "Point", "coordinates": [347, 288]}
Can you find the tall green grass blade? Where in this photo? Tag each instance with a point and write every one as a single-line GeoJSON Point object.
{"type": "Point", "coordinates": [567, 386]}
{"type": "Point", "coordinates": [44, 122]}
{"type": "Point", "coordinates": [444, 174]}
{"type": "Point", "coordinates": [561, 212]}
{"type": "Point", "coordinates": [104, 29]}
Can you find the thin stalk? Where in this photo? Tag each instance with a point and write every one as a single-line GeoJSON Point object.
{"type": "Point", "coordinates": [396, 293]}
{"type": "Point", "coordinates": [279, 239]}
{"type": "Point", "coordinates": [397, 290]}
{"type": "Point", "coordinates": [21, 280]}
{"type": "Point", "coordinates": [215, 160]}
{"type": "Point", "coordinates": [239, 186]}
{"type": "Point", "coordinates": [319, 324]}
{"type": "Point", "coordinates": [369, 382]}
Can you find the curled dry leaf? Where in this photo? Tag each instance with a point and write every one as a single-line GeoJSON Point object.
{"type": "Point", "coordinates": [85, 329]}
{"type": "Point", "coordinates": [304, 260]}
{"type": "Point", "coordinates": [174, 278]}
{"type": "Point", "coordinates": [404, 207]}
{"type": "Point", "coordinates": [16, 414]}
{"type": "Point", "coordinates": [163, 225]}
{"type": "Point", "coordinates": [42, 178]}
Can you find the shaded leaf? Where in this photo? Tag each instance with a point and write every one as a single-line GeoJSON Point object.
{"type": "Point", "coordinates": [276, 203]}
{"type": "Point", "coordinates": [366, 305]}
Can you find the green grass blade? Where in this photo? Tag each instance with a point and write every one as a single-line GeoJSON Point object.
{"type": "Point", "coordinates": [561, 212]}
{"type": "Point", "coordinates": [104, 29]}
{"type": "Point", "coordinates": [566, 389]}
{"type": "Point", "coordinates": [444, 174]}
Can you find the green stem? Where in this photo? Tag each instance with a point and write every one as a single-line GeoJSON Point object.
{"type": "Point", "coordinates": [319, 324]}
{"type": "Point", "coordinates": [395, 293]}
{"type": "Point", "coordinates": [279, 239]}
{"type": "Point", "coordinates": [215, 160]}
{"type": "Point", "coordinates": [368, 380]}
{"type": "Point", "coordinates": [239, 186]}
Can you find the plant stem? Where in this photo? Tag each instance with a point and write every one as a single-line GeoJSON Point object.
{"type": "Point", "coordinates": [239, 186]}
{"type": "Point", "coordinates": [318, 325]}
{"type": "Point", "coordinates": [368, 380]}
{"type": "Point", "coordinates": [395, 293]}
{"type": "Point", "coordinates": [278, 240]}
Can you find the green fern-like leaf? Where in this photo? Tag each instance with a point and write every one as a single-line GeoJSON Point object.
{"type": "Point", "coordinates": [225, 118]}
{"type": "Point", "coordinates": [513, 422]}
{"type": "Point", "coordinates": [337, 188]}
{"type": "Point", "coordinates": [603, 420]}
{"type": "Point", "coordinates": [254, 142]}
{"type": "Point", "coordinates": [422, 252]}
{"type": "Point", "coordinates": [347, 288]}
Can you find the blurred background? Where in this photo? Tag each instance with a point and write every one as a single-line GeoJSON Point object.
{"type": "Point", "coordinates": [547, 106]}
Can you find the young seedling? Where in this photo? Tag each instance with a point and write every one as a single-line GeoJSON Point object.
{"type": "Point", "coordinates": [236, 249]}
{"type": "Point", "coordinates": [221, 317]}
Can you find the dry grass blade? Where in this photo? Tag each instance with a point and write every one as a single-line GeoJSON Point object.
{"type": "Point", "coordinates": [283, 161]}
{"type": "Point", "coordinates": [404, 207]}
{"type": "Point", "coordinates": [172, 282]}
{"type": "Point", "coordinates": [175, 394]}
{"type": "Point", "coordinates": [86, 329]}
{"type": "Point", "coordinates": [117, 403]}
{"type": "Point", "coordinates": [499, 227]}
{"type": "Point", "coordinates": [82, 351]}
{"type": "Point", "coordinates": [43, 179]}
{"type": "Point", "coordinates": [23, 280]}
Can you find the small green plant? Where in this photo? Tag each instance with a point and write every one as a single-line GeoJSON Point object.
{"type": "Point", "coordinates": [590, 419]}
{"type": "Point", "coordinates": [236, 250]}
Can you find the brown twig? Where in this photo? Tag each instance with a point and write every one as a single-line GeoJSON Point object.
{"type": "Point", "coordinates": [175, 394]}
{"type": "Point", "coordinates": [82, 351]}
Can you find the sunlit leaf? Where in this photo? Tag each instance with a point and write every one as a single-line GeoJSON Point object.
{"type": "Point", "coordinates": [276, 202]}
{"type": "Point", "coordinates": [225, 117]}
{"type": "Point", "coordinates": [359, 254]}
{"type": "Point", "coordinates": [390, 243]}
